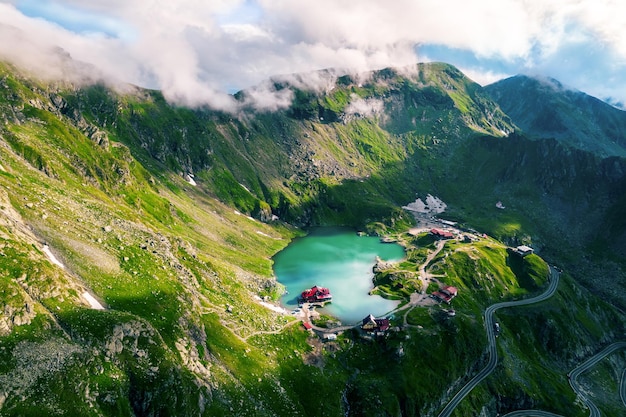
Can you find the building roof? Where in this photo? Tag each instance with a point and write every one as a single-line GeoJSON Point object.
{"type": "Point", "coordinates": [382, 325]}
{"type": "Point", "coordinates": [446, 293]}
{"type": "Point", "coordinates": [371, 323]}
{"type": "Point", "coordinates": [307, 325]}
{"type": "Point", "coordinates": [453, 291]}
{"type": "Point", "coordinates": [441, 233]}
{"type": "Point", "coordinates": [369, 319]}
{"type": "Point", "coordinates": [523, 250]}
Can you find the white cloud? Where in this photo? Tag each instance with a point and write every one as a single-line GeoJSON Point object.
{"type": "Point", "coordinates": [196, 50]}
{"type": "Point", "coordinates": [484, 76]}
{"type": "Point", "coordinates": [364, 107]}
{"type": "Point", "coordinates": [267, 98]}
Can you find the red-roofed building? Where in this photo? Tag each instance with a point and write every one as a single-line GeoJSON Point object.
{"type": "Point", "coordinates": [373, 325]}
{"type": "Point", "coordinates": [307, 325]}
{"type": "Point", "coordinates": [441, 234]}
{"type": "Point", "coordinates": [316, 295]}
{"type": "Point", "coordinates": [446, 294]}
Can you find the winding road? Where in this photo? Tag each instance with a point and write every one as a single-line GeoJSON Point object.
{"type": "Point", "coordinates": [531, 413]}
{"type": "Point", "coordinates": [573, 381]}
{"type": "Point", "coordinates": [573, 375]}
{"type": "Point", "coordinates": [491, 339]}
{"type": "Point", "coordinates": [622, 388]}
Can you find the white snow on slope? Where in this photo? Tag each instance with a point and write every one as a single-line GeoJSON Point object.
{"type": "Point", "coordinates": [432, 205]}
{"type": "Point", "coordinates": [92, 301]}
{"type": "Point", "coordinates": [53, 259]}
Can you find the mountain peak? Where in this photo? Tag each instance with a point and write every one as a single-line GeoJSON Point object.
{"type": "Point", "coordinates": [545, 108]}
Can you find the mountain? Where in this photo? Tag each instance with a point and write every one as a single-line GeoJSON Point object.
{"type": "Point", "coordinates": [544, 108]}
{"type": "Point", "coordinates": [136, 240]}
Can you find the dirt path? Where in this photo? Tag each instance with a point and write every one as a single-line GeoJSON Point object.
{"type": "Point", "coordinates": [417, 299]}
{"type": "Point", "coordinates": [425, 275]}
{"type": "Point", "coordinates": [421, 299]}
{"type": "Point", "coordinates": [277, 331]}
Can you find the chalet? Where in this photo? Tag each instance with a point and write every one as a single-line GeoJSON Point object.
{"type": "Point", "coordinates": [373, 325]}
{"type": "Point", "coordinates": [446, 294]}
{"type": "Point", "coordinates": [523, 250]}
{"type": "Point", "coordinates": [441, 234]}
{"type": "Point", "coordinates": [316, 295]}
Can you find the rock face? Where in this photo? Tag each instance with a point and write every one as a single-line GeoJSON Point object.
{"type": "Point", "coordinates": [34, 360]}
{"type": "Point", "coordinates": [129, 338]}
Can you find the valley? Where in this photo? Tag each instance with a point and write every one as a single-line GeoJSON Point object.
{"type": "Point", "coordinates": [169, 219]}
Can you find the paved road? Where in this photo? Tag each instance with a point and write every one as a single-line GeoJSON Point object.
{"type": "Point", "coordinates": [531, 413]}
{"type": "Point", "coordinates": [592, 361]}
{"type": "Point", "coordinates": [491, 340]}
{"type": "Point", "coordinates": [622, 388]}
{"type": "Point", "coordinates": [573, 380]}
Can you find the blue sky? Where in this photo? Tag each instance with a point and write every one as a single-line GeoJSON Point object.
{"type": "Point", "coordinates": [74, 18]}
{"type": "Point", "coordinates": [195, 50]}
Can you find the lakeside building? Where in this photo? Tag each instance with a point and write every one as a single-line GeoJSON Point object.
{"type": "Point", "coordinates": [371, 324]}
{"type": "Point", "coordinates": [316, 295]}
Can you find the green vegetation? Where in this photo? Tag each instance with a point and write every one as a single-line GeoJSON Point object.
{"type": "Point", "coordinates": [102, 179]}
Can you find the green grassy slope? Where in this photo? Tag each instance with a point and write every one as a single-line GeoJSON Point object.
{"type": "Point", "coordinates": [99, 179]}
{"type": "Point", "coordinates": [543, 108]}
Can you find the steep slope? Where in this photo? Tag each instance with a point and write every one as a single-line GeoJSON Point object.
{"type": "Point", "coordinates": [562, 201]}
{"type": "Point", "coordinates": [135, 237]}
{"type": "Point", "coordinates": [295, 162]}
{"type": "Point", "coordinates": [546, 109]}
{"type": "Point", "coordinates": [81, 219]}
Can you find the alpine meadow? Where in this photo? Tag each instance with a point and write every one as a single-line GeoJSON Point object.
{"type": "Point", "coordinates": [137, 240]}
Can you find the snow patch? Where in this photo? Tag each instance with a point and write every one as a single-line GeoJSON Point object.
{"type": "Point", "coordinates": [432, 205]}
{"type": "Point", "coordinates": [53, 259]}
{"type": "Point", "coordinates": [248, 217]}
{"type": "Point", "coordinates": [266, 235]}
{"type": "Point", "coordinates": [273, 307]}
{"type": "Point", "coordinates": [190, 179]}
{"type": "Point", "coordinates": [92, 301]}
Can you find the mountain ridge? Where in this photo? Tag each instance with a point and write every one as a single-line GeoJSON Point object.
{"type": "Point", "coordinates": [167, 215]}
{"type": "Point", "coordinates": [547, 109]}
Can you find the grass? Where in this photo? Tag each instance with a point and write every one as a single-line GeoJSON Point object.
{"type": "Point", "coordinates": [484, 272]}
{"type": "Point", "coordinates": [178, 265]}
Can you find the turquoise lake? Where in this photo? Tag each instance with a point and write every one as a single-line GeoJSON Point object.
{"type": "Point", "coordinates": [342, 261]}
